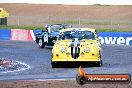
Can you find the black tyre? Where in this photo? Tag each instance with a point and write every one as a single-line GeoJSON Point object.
{"type": "Point", "coordinates": [37, 40]}
{"type": "Point", "coordinates": [54, 65]}
{"type": "Point", "coordinates": [99, 64]}
{"type": "Point", "coordinates": [41, 43]}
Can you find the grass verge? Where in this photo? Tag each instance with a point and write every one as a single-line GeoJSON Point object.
{"type": "Point", "coordinates": [41, 27]}
{"type": "Point", "coordinates": [22, 27]}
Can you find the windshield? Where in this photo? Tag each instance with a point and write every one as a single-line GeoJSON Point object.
{"type": "Point", "coordinates": [59, 27]}
{"type": "Point", "coordinates": [67, 26]}
{"type": "Point", "coordinates": [56, 28]}
{"type": "Point", "coordinates": [77, 34]}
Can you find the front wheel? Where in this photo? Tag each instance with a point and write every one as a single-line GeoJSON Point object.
{"type": "Point", "coordinates": [41, 43]}
{"type": "Point", "coordinates": [99, 64]}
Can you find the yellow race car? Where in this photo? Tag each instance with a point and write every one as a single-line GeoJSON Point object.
{"type": "Point", "coordinates": [3, 16]}
{"type": "Point", "coordinates": [77, 46]}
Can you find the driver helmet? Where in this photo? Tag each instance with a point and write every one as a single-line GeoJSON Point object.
{"type": "Point", "coordinates": [46, 26]}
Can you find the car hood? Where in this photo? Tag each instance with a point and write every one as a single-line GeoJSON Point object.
{"type": "Point", "coordinates": [79, 42]}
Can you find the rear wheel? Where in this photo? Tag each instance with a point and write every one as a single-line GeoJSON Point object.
{"type": "Point", "coordinates": [98, 64]}
{"type": "Point", "coordinates": [41, 43]}
{"type": "Point", "coordinates": [54, 65]}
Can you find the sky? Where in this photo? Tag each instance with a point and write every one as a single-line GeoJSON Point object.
{"type": "Point", "coordinates": [72, 2]}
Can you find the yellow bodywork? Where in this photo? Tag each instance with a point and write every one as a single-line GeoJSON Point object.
{"type": "Point", "coordinates": [3, 13]}
{"type": "Point", "coordinates": [92, 56]}
{"type": "Point", "coordinates": [94, 49]}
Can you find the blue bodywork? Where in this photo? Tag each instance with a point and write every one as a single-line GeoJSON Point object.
{"type": "Point", "coordinates": [52, 31]}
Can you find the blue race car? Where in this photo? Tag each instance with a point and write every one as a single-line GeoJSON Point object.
{"type": "Point", "coordinates": [49, 36]}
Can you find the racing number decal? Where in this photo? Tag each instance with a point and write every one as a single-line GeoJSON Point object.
{"type": "Point", "coordinates": [46, 38]}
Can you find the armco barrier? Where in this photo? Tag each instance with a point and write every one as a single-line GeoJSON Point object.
{"type": "Point", "coordinates": [122, 38]}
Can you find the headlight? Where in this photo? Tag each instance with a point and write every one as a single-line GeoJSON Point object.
{"type": "Point", "coordinates": [87, 50]}
{"type": "Point", "coordinates": [63, 49]}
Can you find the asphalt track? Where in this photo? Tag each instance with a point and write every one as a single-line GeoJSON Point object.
{"type": "Point", "coordinates": [116, 60]}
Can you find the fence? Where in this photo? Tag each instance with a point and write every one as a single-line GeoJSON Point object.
{"type": "Point", "coordinates": [76, 22]}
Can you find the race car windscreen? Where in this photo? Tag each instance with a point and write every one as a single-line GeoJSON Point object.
{"type": "Point", "coordinates": [59, 27]}
{"type": "Point", "coordinates": [77, 34]}
{"type": "Point", "coordinates": [55, 28]}
{"type": "Point", "coordinates": [67, 26]}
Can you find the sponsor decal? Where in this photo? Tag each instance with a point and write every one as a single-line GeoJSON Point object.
{"type": "Point", "coordinates": [20, 34]}
{"type": "Point", "coordinates": [116, 40]}
{"type": "Point", "coordinates": [46, 37]}
{"type": "Point", "coordinates": [121, 38]}
{"type": "Point", "coordinates": [82, 78]}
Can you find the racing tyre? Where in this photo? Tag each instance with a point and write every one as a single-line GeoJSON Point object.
{"type": "Point", "coordinates": [99, 64]}
{"type": "Point", "coordinates": [41, 43]}
{"type": "Point", "coordinates": [54, 65]}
